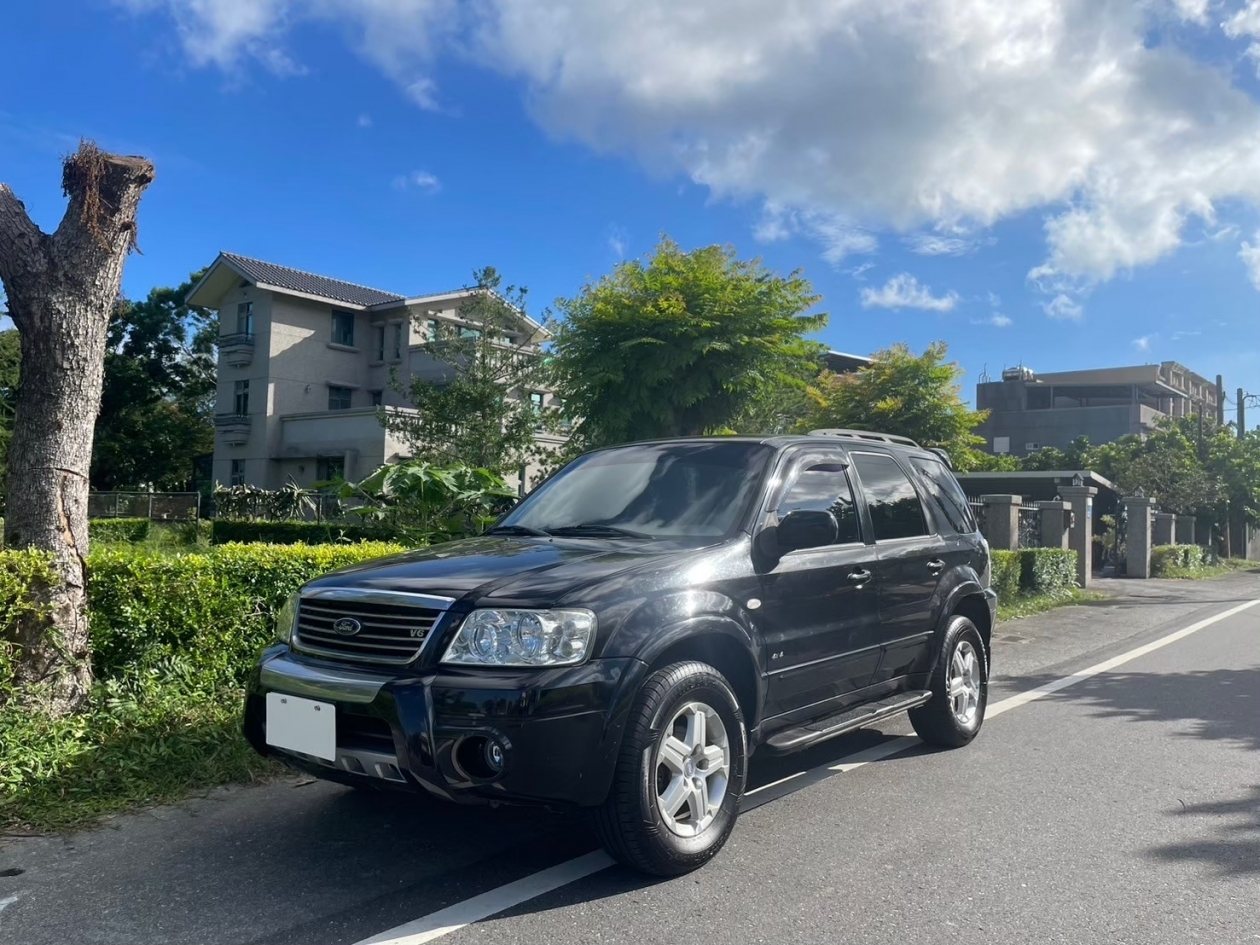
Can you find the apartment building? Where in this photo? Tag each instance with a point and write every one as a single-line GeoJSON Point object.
{"type": "Point", "coordinates": [306, 361]}
{"type": "Point", "coordinates": [1028, 411]}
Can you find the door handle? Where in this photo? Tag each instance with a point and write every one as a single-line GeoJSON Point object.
{"type": "Point", "coordinates": [936, 564]}
{"type": "Point", "coordinates": [859, 577]}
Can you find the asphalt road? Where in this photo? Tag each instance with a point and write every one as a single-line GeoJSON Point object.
{"type": "Point", "coordinates": [1124, 807]}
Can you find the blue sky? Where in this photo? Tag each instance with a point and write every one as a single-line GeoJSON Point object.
{"type": "Point", "coordinates": [399, 144]}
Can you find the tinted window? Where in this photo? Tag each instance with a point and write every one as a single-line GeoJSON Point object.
{"type": "Point", "coordinates": [895, 508]}
{"type": "Point", "coordinates": [825, 486]}
{"type": "Point", "coordinates": [668, 490]}
{"type": "Point", "coordinates": [947, 493]}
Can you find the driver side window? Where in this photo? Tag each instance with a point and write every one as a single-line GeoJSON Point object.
{"type": "Point", "coordinates": [825, 486]}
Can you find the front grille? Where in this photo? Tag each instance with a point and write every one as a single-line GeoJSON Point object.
{"type": "Point", "coordinates": [389, 632]}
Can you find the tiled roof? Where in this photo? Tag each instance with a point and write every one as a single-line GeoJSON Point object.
{"type": "Point", "coordinates": [282, 277]}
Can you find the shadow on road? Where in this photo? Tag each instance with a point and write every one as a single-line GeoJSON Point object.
{"type": "Point", "coordinates": [1233, 845]}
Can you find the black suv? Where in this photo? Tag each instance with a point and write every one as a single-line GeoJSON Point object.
{"type": "Point", "coordinates": [630, 633]}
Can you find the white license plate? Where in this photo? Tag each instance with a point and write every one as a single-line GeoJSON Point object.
{"type": "Point", "coordinates": [302, 725]}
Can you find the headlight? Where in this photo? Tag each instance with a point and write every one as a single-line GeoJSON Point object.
{"type": "Point", "coordinates": [286, 619]}
{"type": "Point", "coordinates": [523, 638]}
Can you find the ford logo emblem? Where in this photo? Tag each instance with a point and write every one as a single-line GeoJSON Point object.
{"type": "Point", "coordinates": [347, 626]}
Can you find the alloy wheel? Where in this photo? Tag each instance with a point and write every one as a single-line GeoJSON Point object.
{"type": "Point", "coordinates": [693, 766]}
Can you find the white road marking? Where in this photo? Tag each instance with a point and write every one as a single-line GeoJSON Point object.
{"type": "Point", "coordinates": [10, 900]}
{"type": "Point", "coordinates": [453, 918]}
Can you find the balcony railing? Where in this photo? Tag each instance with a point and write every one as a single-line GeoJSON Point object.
{"type": "Point", "coordinates": [237, 349]}
{"type": "Point", "coordinates": [234, 427]}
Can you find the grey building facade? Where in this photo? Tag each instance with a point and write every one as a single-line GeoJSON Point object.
{"type": "Point", "coordinates": [1029, 411]}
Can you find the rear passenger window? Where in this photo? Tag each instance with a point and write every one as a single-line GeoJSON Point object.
{"type": "Point", "coordinates": [896, 511]}
{"type": "Point", "coordinates": [825, 486]}
{"type": "Point", "coordinates": [948, 494]}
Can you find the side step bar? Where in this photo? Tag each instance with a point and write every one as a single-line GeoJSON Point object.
{"type": "Point", "coordinates": [795, 739]}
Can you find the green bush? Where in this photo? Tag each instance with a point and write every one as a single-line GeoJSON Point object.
{"type": "Point", "coordinates": [118, 529]}
{"type": "Point", "coordinates": [199, 616]}
{"type": "Point", "coordinates": [224, 531]}
{"type": "Point", "coordinates": [1006, 573]}
{"type": "Point", "coordinates": [1182, 560]}
{"type": "Point", "coordinates": [24, 579]}
{"type": "Point", "coordinates": [1047, 570]}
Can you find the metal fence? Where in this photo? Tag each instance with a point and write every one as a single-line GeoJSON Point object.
{"type": "Point", "coordinates": [1030, 525]}
{"type": "Point", "coordinates": [159, 506]}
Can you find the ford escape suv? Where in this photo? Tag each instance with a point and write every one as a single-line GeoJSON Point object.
{"type": "Point", "coordinates": [639, 625]}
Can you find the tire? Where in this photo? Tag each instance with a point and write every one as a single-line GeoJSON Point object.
{"type": "Point", "coordinates": [655, 769]}
{"type": "Point", "coordinates": [940, 721]}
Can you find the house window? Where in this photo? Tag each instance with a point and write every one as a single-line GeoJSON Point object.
{"type": "Point", "coordinates": [398, 340]}
{"type": "Point", "coordinates": [536, 400]}
{"type": "Point", "coordinates": [328, 468]}
{"type": "Point", "coordinates": [240, 397]}
{"type": "Point", "coordinates": [338, 398]}
{"type": "Point", "coordinates": [238, 473]}
{"type": "Point", "coordinates": [432, 326]}
{"type": "Point", "coordinates": [380, 342]}
{"type": "Point", "coordinates": [509, 340]}
{"type": "Point", "coordinates": [343, 328]}
{"type": "Point", "coordinates": [245, 318]}
{"type": "Point", "coordinates": [376, 397]}
{"type": "Point", "coordinates": [466, 332]}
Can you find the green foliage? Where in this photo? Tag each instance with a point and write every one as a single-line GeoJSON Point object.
{"type": "Point", "coordinates": [224, 531]}
{"type": "Point", "coordinates": [251, 503]}
{"type": "Point", "coordinates": [902, 393]}
{"type": "Point", "coordinates": [25, 576]}
{"type": "Point", "coordinates": [10, 371]}
{"type": "Point", "coordinates": [158, 393]}
{"type": "Point", "coordinates": [1047, 570]}
{"type": "Point", "coordinates": [682, 344]}
{"type": "Point", "coordinates": [1182, 561]}
{"type": "Point", "coordinates": [118, 529]}
{"type": "Point", "coordinates": [1006, 573]}
{"type": "Point", "coordinates": [1079, 455]}
{"type": "Point", "coordinates": [477, 410]}
{"type": "Point", "coordinates": [430, 503]}
{"type": "Point", "coordinates": [173, 637]}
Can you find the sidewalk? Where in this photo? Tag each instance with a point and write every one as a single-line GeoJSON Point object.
{"type": "Point", "coordinates": [1132, 608]}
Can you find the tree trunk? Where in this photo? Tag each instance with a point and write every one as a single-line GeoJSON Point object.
{"type": "Point", "coordinates": [61, 289]}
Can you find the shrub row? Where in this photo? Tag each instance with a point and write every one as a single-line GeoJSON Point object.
{"type": "Point", "coordinates": [1172, 560]}
{"type": "Point", "coordinates": [225, 531]}
{"type": "Point", "coordinates": [118, 529]}
{"type": "Point", "coordinates": [1044, 571]}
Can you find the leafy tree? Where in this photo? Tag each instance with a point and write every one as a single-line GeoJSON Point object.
{"type": "Point", "coordinates": [903, 393]}
{"type": "Point", "coordinates": [683, 344]}
{"type": "Point", "coordinates": [478, 410]}
{"type": "Point", "coordinates": [1078, 455]}
{"type": "Point", "coordinates": [157, 399]}
{"type": "Point", "coordinates": [430, 503]}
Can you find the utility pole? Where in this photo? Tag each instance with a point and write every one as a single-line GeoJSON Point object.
{"type": "Point", "coordinates": [1242, 413]}
{"type": "Point", "coordinates": [1220, 401]}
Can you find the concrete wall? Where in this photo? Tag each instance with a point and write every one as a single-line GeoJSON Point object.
{"type": "Point", "coordinates": [1059, 427]}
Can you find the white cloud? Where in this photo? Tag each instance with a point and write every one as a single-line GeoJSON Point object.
{"type": "Point", "coordinates": [1143, 343]}
{"type": "Point", "coordinates": [1000, 321]}
{"type": "Point", "coordinates": [859, 272]}
{"type": "Point", "coordinates": [418, 180]}
{"type": "Point", "coordinates": [936, 244]}
{"type": "Point", "coordinates": [1178, 335]}
{"type": "Point", "coordinates": [850, 118]}
{"type": "Point", "coordinates": [1250, 255]}
{"type": "Point", "coordinates": [1064, 308]}
{"type": "Point", "coordinates": [905, 291]}
{"type": "Point", "coordinates": [365, 120]}
{"type": "Point", "coordinates": [618, 241]}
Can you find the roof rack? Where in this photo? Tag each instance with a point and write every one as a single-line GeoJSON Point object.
{"type": "Point", "coordinates": [868, 435]}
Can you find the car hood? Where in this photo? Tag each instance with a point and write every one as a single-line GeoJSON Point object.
{"type": "Point", "coordinates": [507, 570]}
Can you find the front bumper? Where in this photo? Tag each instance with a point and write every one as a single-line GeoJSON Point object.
{"type": "Point", "coordinates": [559, 729]}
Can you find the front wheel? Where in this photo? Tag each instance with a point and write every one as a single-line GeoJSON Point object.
{"type": "Point", "coordinates": [680, 775]}
{"type": "Point", "coordinates": [960, 689]}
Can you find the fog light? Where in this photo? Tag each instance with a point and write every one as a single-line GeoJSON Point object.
{"type": "Point", "coordinates": [494, 756]}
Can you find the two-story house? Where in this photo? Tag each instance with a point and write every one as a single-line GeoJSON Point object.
{"type": "Point", "coordinates": [306, 361]}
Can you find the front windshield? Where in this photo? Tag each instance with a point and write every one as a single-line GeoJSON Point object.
{"type": "Point", "coordinates": [665, 490]}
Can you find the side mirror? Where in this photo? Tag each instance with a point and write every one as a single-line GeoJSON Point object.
{"type": "Point", "coordinates": [806, 528]}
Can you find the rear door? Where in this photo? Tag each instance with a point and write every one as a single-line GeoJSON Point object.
{"type": "Point", "coordinates": [912, 556]}
{"type": "Point", "coordinates": [820, 607]}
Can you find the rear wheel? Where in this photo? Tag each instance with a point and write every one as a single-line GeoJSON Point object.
{"type": "Point", "coordinates": [680, 775]}
{"type": "Point", "coordinates": [960, 689]}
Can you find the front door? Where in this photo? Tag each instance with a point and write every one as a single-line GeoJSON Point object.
{"type": "Point", "coordinates": [911, 559]}
{"type": "Point", "coordinates": [820, 608]}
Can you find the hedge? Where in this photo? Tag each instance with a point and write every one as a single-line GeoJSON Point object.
{"type": "Point", "coordinates": [201, 614]}
{"type": "Point", "coordinates": [225, 531]}
{"type": "Point", "coordinates": [1174, 560]}
{"type": "Point", "coordinates": [1042, 571]}
{"type": "Point", "coordinates": [118, 529]}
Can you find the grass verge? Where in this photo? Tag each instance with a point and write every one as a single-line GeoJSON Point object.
{"type": "Point", "coordinates": [1221, 568]}
{"type": "Point", "coordinates": [129, 749]}
{"type": "Point", "coordinates": [1025, 605]}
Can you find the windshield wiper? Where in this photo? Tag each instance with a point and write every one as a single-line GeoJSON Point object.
{"type": "Point", "coordinates": [595, 530]}
{"type": "Point", "coordinates": [516, 530]}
